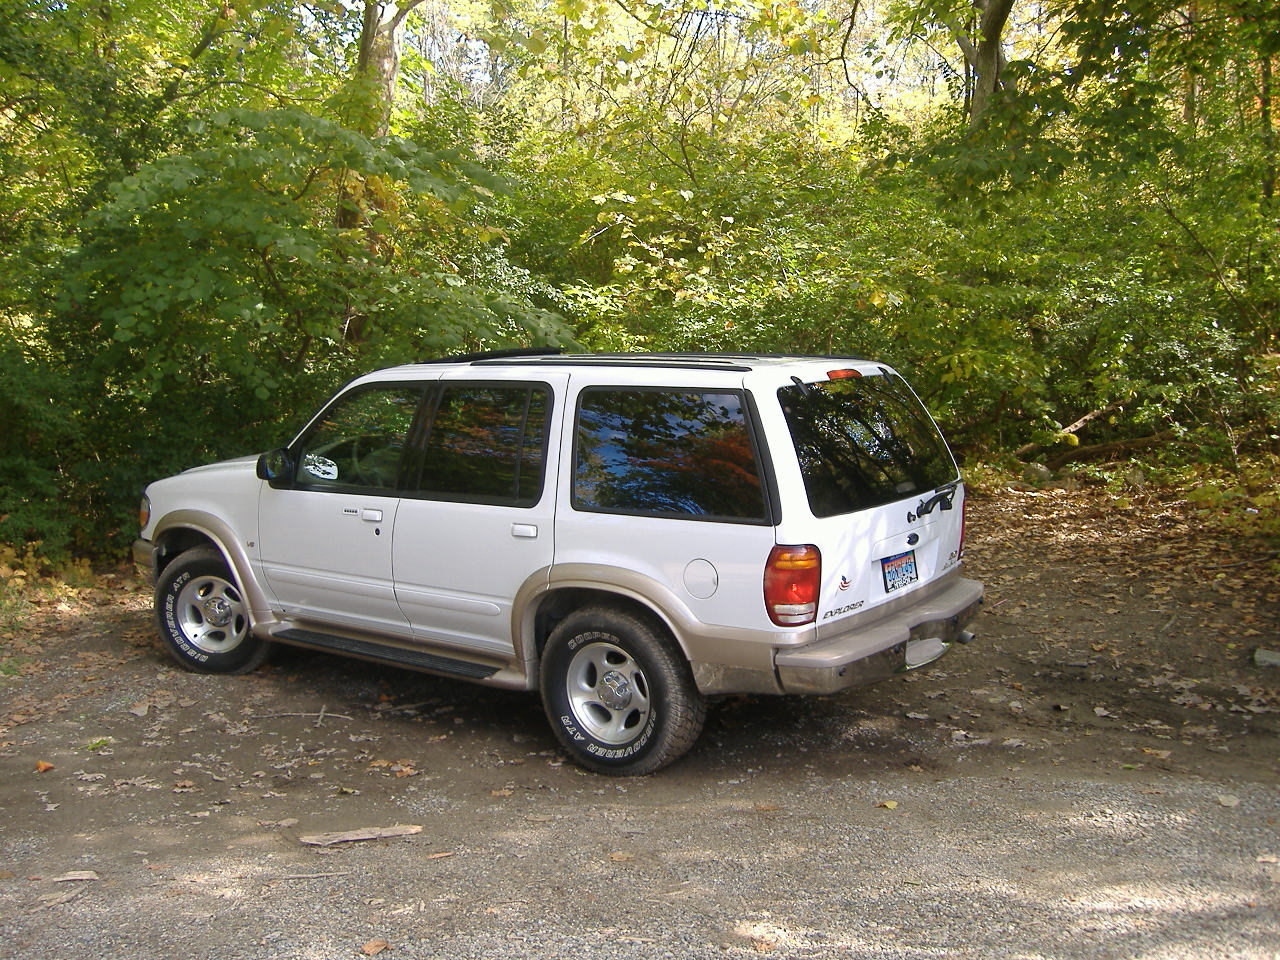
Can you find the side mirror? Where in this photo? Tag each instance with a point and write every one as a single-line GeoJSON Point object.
{"type": "Point", "coordinates": [276, 468]}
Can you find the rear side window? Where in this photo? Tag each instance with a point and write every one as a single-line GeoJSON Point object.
{"type": "Point", "coordinates": [486, 444]}
{"type": "Point", "coordinates": [863, 442]}
{"type": "Point", "coordinates": [671, 453]}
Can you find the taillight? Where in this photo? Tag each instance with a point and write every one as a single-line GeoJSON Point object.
{"type": "Point", "coordinates": [792, 582]}
{"type": "Point", "coordinates": [964, 520]}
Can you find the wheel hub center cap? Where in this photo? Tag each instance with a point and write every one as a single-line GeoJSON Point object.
{"type": "Point", "coordinates": [615, 690]}
{"type": "Point", "coordinates": [218, 612]}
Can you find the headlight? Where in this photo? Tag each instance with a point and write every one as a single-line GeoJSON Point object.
{"type": "Point", "coordinates": [144, 513]}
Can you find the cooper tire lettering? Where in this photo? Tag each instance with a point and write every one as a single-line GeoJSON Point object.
{"type": "Point", "coordinates": [203, 618]}
{"type": "Point", "coordinates": [618, 693]}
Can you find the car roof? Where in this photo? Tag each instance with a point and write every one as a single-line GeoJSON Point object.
{"type": "Point", "coordinates": [730, 362]}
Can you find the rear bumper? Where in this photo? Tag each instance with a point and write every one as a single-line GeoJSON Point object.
{"type": "Point", "coordinates": [876, 649]}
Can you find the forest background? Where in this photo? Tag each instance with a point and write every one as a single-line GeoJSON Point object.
{"type": "Point", "coordinates": [1057, 218]}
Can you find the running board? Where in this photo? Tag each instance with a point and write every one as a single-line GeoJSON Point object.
{"type": "Point", "coordinates": [413, 659]}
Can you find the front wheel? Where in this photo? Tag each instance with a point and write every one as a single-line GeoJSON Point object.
{"type": "Point", "coordinates": [203, 617]}
{"type": "Point", "coordinates": [618, 693]}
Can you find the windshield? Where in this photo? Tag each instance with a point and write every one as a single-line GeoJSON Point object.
{"type": "Point", "coordinates": [862, 442]}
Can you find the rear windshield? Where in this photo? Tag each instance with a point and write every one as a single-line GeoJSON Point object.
{"type": "Point", "coordinates": [863, 442]}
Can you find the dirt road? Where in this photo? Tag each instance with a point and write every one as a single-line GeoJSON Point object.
{"type": "Point", "coordinates": [1096, 777]}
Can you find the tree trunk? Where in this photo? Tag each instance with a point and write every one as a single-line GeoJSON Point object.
{"type": "Point", "coordinates": [988, 56]}
{"type": "Point", "coordinates": [1268, 131]}
{"type": "Point", "coordinates": [378, 58]}
{"type": "Point", "coordinates": [373, 91]}
{"type": "Point", "coordinates": [1191, 93]}
{"type": "Point", "coordinates": [984, 59]}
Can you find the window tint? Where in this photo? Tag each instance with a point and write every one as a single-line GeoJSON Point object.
{"type": "Point", "coordinates": [666, 452]}
{"type": "Point", "coordinates": [863, 442]}
{"type": "Point", "coordinates": [487, 445]}
{"type": "Point", "coordinates": [360, 440]}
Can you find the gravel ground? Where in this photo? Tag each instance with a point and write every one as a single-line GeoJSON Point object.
{"type": "Point", "coordinates": [1026, 865]}
{"type": "Point", "coordinates": [1071, 785]}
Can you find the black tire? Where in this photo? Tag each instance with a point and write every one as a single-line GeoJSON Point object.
{"type": "Point", "coordinates": [618, 693]}
{"type": "Point", "coordinates": [203, 617]}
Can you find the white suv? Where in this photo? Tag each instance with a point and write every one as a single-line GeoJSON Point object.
{"type": "Point", "coordinates": [628, 534]}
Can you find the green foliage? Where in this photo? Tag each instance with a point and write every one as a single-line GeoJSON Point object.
{"type": "Point", "coordinates": [220, 287]}
{"type": "Point", "coordinates": [1069, 303]}
{"type": "Point", "coordinates": [200, 239]}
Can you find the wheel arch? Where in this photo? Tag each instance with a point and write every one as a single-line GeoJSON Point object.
{"type": "Point", "coordinates": [185, 530]}
{"type": "Point", "coordinates": [557, 604]}
{"type": "Point", "coordinates": [581, 585]}
{"type": "Point", "coordinates": [722, 659]}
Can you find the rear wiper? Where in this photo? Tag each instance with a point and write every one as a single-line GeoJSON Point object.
{"type": "Point", "coordinates": [942, 497]}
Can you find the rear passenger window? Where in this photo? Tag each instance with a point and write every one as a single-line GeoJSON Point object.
{"type": "Point", "coordinates": [673, 453]}
{"type": "Point", "coordinates": [486, 444]}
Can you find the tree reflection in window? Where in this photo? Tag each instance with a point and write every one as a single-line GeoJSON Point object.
{"type": "Point", "coordinates": [487, 445]}
{"type": "Point", "coordinates": [863, 442]}
{"type": "Point", "coordinates": [666, 452]}
{"type": "Point", "coordinates": [360, 440]}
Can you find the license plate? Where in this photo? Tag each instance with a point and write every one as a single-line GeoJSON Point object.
{"type": "Point", "coordinates": [899, 571]}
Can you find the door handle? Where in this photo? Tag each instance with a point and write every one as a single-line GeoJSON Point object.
{"type": "Point", "coordinates": [528, 531]}
{"type": "Point", "coordinates": [372, 516]}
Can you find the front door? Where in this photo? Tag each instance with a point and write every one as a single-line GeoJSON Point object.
{"type": "Point", "coordinates": [326, 541]}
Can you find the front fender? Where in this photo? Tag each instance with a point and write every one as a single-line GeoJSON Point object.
{"type": "Point", "coordinates": [181, 525]}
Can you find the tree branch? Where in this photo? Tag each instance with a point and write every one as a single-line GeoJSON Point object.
{"type": "Point", "coordinates": [1102, 451]}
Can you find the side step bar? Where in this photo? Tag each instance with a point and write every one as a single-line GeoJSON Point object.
{"type": "Point", "coordinates": [413, 659]}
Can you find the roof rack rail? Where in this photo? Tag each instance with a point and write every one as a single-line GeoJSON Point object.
{"type": "Point", "coordinates": [499, 354]}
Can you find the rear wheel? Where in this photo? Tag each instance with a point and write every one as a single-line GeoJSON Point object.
{"type": "Point", "coordinates": [203, 617]}
{"type": "Point", "coordinates": [618, 693]}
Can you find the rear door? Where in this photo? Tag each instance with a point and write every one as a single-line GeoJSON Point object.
{"type": "Point", "coordinates": [476, 524]}
{"type": "Point", "coordinates": [667, 494]}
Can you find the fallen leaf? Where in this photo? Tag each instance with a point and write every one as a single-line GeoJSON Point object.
{"type": "Point", "coordinates": [355, 836]}
{"type": "Point", "coordinates": [43, 767]}
{"type": "Point", "coordinates": [440, 856]}
{"type": "Point", "coordinates": [888, 804]}
{"type": "Point", "coordinates": [1158, 754]}
{"type": "Point", "coordinates": [619, 857]}
{"type": "Point", "coordinates": [375, 947]}
{"type": "Point", "coordinates": [500, 793]}
{"type": "Point", "coordinates": [1227, 800]}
